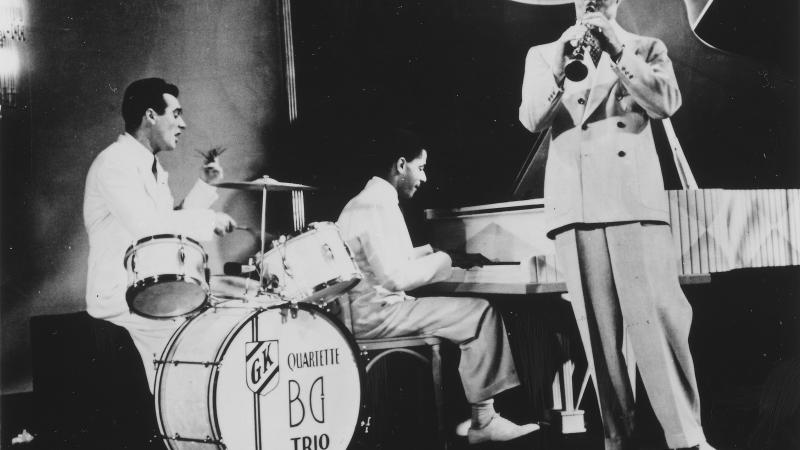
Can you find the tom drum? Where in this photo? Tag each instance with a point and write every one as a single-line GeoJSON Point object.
{"type": "Point", "coordinates": [167, 276]}
{"type": "Point", "coordinates": [314, 266]}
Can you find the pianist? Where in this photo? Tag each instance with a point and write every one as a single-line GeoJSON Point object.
{"type": "Point", "coordinates": [373, 226]}
{"type": "Point", "coordinates": [608, 215]}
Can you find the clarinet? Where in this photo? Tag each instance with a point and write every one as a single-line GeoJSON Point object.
{"type": "Point", "coordinates": [576, 70]}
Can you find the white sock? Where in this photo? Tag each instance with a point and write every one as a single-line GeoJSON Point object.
{"type": "Point", "coordinates": [482, 413]}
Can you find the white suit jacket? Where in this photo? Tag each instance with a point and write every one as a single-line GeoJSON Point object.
{"type": "Point", "coordinates": [123, 202]}
{"type": "Point", "coordinates": [373, 227]}
{"type": "Point", "coordinates": [602, 164]}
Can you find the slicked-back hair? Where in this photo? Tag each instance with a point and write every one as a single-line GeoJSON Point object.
{"type": "Point", "coordinates": [387, 146]}
{"type": "Point", "coordinates": [141, 95]}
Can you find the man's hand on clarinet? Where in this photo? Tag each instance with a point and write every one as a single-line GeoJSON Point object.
{"type": "Point", "coordinates": [567, 42]}
{"type": "Point", "coordinates": [603, 31]}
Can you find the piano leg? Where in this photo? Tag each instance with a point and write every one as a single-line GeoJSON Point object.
{"type": "Point", "coordinates": [564, 401]}
{"type": "Point", "coordinates": [572, 420]}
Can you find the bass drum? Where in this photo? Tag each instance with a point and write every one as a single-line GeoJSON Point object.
{"type": "Point", "coordinates": [242, 377]}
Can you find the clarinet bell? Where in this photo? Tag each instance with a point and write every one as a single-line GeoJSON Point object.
{"type": "Point", "coordinates": [576, 70]}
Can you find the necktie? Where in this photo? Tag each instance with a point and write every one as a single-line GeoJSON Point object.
{"type": "Point", "coordinates": [155, 167]}
{"type": "Point", "coordinates": [594, 50]}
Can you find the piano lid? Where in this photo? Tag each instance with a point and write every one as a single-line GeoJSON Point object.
{"type": "Point", "coordinates": [763, 30]}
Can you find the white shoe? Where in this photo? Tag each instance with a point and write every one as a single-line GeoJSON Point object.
{"type": "Point", "coordinates": [463, 428]}
{"type": "Point", "coordinates": [498, 430]}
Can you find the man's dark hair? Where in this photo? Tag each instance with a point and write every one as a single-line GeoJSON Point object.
{"type": "Point", "coordinates": [387, 146]}
{"type": "Point", "coordinates": [141, 95]}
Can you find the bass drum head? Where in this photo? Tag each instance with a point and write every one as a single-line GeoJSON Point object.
{"type": "Point", "coordinates": [171, 296]}
{"type": "Point", "coordinates": [285, 378]}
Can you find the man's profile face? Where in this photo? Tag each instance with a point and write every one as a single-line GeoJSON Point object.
{"type": "Point", "coordinates": [168, 126]}
{"type": "Point", "coordinates": [413, 175]}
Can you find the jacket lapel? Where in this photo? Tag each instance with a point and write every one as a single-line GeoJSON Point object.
{"type": "Point", "coordinates": [602, 82]}
{"type": "Point", "coordinates": [604, 77]}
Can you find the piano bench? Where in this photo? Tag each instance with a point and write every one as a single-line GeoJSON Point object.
{"type": "Point", "coordinates": [374, 350]}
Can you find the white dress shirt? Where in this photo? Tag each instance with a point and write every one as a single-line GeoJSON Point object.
{"type": "Point", "coordinates": [124, 202]}
{"type": "Point", "coordinates": [374, 228]}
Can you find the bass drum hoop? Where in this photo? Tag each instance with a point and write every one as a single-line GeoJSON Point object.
{"type": "Point", "coordinates": [223, 347]}
{"type": "Point", "coordinates": [139, 287]}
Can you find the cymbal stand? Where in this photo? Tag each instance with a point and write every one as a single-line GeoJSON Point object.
{"type": "Point", "coordinates": [263, 234]}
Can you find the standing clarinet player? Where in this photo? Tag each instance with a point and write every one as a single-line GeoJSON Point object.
{"type": "Point", "coordinates": [609, 215]}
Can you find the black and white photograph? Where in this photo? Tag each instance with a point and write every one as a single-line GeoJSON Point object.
{"type": "Point", "coordinates": [399, 224]}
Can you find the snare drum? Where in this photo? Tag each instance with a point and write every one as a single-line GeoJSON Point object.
{"type": "Point", "coordinates": [314, 266]}
{"type": "Point", "coordinates": [167, 276]}
{"type": "Point", "coordinates": [241, 377]}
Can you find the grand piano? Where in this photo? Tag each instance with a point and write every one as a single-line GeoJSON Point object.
{"type": "Point", "coordinates": [714, 230]}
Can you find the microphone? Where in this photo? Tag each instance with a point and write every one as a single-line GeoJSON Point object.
{"type": "Point", "coordinates": [237, 269]}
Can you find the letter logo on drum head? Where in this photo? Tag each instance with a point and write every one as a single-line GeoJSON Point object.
{"type": "Point", "coordinates": [262, 366]}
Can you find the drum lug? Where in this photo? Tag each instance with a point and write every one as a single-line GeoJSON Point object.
{"type": "Point", "coordinates": [349, 252]}
{"type": "Point", "coordinates": [327, 251]}
{"type": "Point", "coordinates": [274, 282]}
{"type": "Point", "coordinates": [182, 255]}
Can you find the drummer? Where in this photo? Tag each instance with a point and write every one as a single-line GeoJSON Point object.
{"type": "Point", "coordinates": [127, 198]}
{"type": "Point", "coordinates": [373, 226]}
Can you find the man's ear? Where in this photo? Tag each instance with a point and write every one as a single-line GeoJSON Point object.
{"type": "Point", "coordinates": [150, 115]}
{"type": "Point", "coordinates": [400, 165]}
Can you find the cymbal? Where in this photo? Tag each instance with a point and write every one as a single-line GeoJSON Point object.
{"type": "Point", "coordinates": [270, 184]}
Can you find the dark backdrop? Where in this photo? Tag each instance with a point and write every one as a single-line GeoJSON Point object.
{"type": "Point", "coordinates": [80, 55]}
{"type": "Point", "coordinates": [452, 70]}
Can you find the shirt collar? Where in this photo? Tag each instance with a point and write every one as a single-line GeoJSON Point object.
{"type": "Point", "coordinates": [140, 152]}
{"type": "Point", "coordinates": [384, 189]}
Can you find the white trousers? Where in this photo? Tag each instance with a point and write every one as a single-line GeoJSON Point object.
{"type": "Point", "coordinates": [486, 367]}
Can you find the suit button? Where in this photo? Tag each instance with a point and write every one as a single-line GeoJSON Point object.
{"type": "Point", "coordinates": [584, 127]}
{"type": "Point", "coordinates": [581, 101]}
{"type": "Point", "coordinates": [621, 153]}
{"type": "Point", "coordinates": [620, 125]}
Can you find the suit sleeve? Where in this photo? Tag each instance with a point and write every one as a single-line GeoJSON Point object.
{"type": "Point", "coordinates": [648, 75]}
{"type": "Point", "coordinates": [201, 196]}
{"type": "Point", "coordinates": [540, 92]}
{"type": "Point", "coordinates": [394, 270]}
{"type": "Point", "coordinates": [128, 201]}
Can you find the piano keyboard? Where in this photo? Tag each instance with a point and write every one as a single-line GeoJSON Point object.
{"type": "Point", "coordinates": [715, 230]}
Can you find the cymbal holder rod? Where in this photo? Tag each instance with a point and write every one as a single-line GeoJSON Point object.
{"type": "Point", "coordinates": [263, 233]}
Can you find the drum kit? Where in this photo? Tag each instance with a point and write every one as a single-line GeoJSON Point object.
{"type": "Point", "coordinates": [270, 371]}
